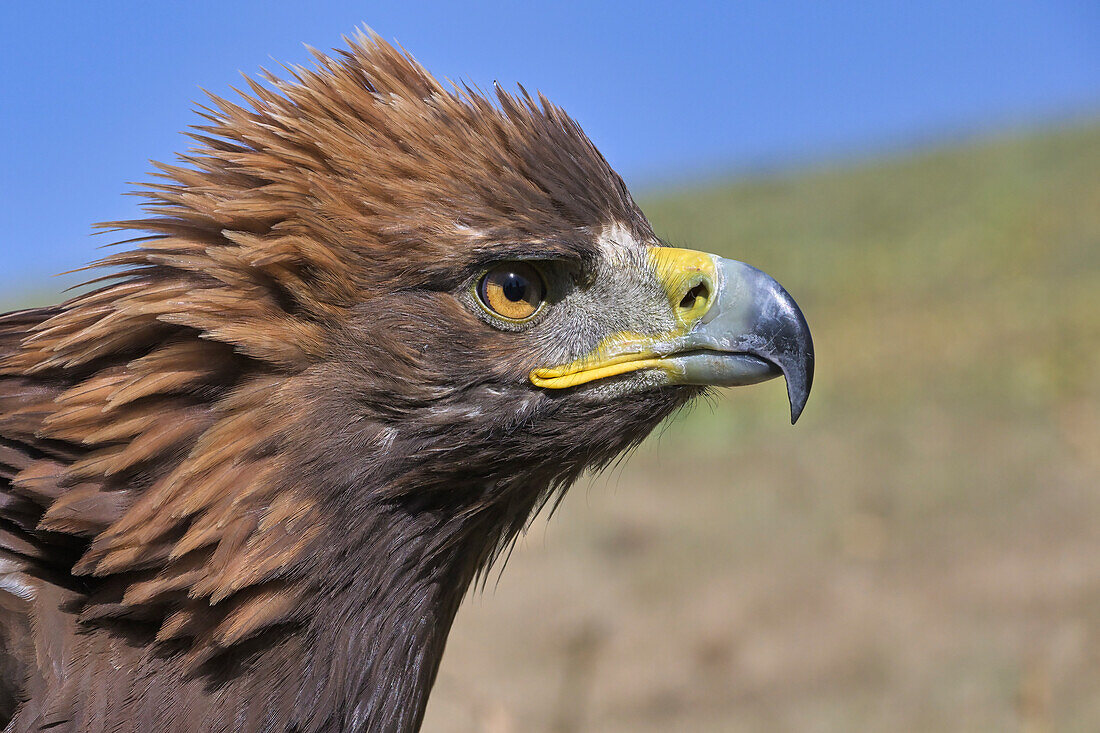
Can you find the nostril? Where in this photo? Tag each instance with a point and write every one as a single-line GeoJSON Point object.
{"type": "Point", "coordinates": [699, 291]}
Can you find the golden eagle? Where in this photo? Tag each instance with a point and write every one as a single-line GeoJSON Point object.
{"type": "Point", "coordinates": [368, 328]}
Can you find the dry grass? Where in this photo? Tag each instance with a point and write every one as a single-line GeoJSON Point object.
{"type": "Point", "coordinates": [922, 552]}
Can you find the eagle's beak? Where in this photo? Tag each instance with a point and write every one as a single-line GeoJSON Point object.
{"type": "Point", "coordinates": [754, 331]}
{"type": "Point", "coordinates": [736, 325]}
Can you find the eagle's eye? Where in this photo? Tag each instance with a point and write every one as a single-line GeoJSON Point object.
{"type": "Point", "coordinates": [512, 290]}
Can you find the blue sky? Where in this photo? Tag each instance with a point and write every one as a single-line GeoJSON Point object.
{"type": "Point", "coordinates": [91, 91]}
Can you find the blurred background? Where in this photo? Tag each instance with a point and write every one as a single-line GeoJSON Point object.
{"type": "Point", "coordinates": [922, 552]}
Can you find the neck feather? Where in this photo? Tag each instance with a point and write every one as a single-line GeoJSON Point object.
{"type": "Point", "coordinates": [382, 619]}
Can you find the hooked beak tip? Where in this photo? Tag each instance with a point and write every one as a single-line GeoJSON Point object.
{"type": "Point", "coordinates": [798, 396]}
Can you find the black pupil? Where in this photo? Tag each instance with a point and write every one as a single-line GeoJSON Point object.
{"type": "Point", "coordinates": [514, 287]}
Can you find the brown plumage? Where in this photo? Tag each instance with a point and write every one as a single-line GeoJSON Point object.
{"type": "Point", "coordinates": [245, 483]}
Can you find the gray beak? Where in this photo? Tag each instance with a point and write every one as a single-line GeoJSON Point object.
{"type": "Point", "coordinates": [752, 332]}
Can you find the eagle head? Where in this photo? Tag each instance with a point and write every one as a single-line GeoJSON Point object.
{"type": "Point", "coordinates": [370, 325]}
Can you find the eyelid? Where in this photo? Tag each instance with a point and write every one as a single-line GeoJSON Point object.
{"type": "Point", "coordinates": [543, 266]}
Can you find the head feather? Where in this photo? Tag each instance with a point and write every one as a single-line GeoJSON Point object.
{"type": "Point", "coordinates": [313, 195]}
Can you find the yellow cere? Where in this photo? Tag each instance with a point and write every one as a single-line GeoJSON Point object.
{"type": "Point", "coordinates": [689, 281]}
{"type": "Point", "coordinates": [680, 271]}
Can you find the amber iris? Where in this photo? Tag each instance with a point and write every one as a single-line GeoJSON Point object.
{"type": "Point", "coordinates": [513, 290]}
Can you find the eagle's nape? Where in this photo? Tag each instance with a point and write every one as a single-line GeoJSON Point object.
{"type": "Point", "coordinates": [371, 326]}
